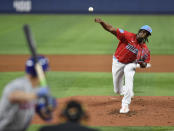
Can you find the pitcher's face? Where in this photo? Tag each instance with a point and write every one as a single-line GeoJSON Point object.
{"type": "Point", "coordinates": [142, 34]}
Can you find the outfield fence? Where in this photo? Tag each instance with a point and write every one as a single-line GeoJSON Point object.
{"type": "Point", "coordinates": [81, 6]}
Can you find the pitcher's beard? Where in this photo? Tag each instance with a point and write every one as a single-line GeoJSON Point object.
{"type": "Point", "coordinates": [140, 40]}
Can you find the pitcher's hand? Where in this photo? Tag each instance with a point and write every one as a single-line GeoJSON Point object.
{"type": "Point", "coordinates": [98, 20]}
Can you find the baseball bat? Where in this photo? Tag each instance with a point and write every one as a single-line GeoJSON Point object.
{"type": "Point", "coordinates": [32, 46]}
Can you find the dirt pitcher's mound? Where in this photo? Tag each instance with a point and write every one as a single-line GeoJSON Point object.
{"type": "Point", "coordinates": [104, 111]}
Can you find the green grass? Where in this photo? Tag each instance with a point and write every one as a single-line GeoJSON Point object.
{"type": "Point", "coordinates": [36, 127]}
{"type": "Point", "coordinates": [78, 34]}
{"type": "Point", "coordinates": [64, 84]}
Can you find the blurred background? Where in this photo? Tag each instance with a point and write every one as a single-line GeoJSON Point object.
{"type": "Point", "coordinates": [78, 6]}
{"type": "Point", "coordinates": [66, 27]}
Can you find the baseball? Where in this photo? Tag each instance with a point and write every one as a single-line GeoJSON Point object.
{"type": "Point", "coordinates": [90, 9]}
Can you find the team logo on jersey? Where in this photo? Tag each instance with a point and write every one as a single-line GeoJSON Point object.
{"type": "Point", "coordinates": [132, 49]}
{"type": "Point", "coordinates": [121, 30]}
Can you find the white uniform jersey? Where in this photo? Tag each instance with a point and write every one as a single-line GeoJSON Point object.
{"type": "Point", "coordinates": [16, 117]}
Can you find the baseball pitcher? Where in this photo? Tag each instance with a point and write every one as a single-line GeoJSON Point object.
{"type": "Point", "coordinates": [21, 98]}
{"type": "Point", "coordinates": [131, 51]}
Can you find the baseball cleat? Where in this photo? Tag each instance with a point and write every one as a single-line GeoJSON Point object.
{"type": "Point", "coordinates": [124, 109]}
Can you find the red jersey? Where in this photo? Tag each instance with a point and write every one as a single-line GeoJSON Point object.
{"type": "Point", "coordinates": [128, 47]}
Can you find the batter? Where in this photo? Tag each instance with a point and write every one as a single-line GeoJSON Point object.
{"type": "Point", "coordinates": [17, 105]}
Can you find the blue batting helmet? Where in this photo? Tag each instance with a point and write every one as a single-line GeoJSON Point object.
{"type": "Point", "coordinates": [30, 65]}
{"type": "Point", "coordinates": [147, 28]}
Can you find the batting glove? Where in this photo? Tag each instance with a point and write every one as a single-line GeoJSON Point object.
{"type": "Point", "coordinates": [42, 91]}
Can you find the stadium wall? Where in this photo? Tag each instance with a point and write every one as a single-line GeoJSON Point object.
{"type": "Point", "coordinates": [81, 6]}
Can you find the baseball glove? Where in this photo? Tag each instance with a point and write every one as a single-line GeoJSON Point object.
{"type": "Point", "coordinates": [45, 106]}
{"type": "Point", "coordinates": [142, 56]}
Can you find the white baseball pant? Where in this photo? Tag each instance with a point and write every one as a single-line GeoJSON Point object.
{"type": "Point", "coordinates": [119, 71]}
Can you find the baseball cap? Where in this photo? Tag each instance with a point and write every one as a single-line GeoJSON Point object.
{"type": "Point", "coordinates": [30, 65]}
{"type": "Point", "coordinates": [147, 28]}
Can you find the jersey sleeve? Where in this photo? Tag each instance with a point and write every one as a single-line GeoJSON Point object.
{"type": "Point", "coordinates": [143, 54]}
{"type": "Point", "coordinates": [147, 60]}
{"type": "Point", "coordinates": [10, 88]}
{"type": "Point", "coordinates": [16, 86]}
{"type": "Point", "coordinates": [146, 54]}
{"type": "Point", "coordinates": [121, 34]}
{"type": "Point", "coordinates": [7, 109]}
